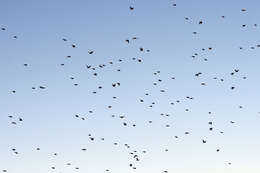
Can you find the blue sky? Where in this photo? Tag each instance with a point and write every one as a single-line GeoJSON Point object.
{"type": "Point", "coordinates": [49, 115]}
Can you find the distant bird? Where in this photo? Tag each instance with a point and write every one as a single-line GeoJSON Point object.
{"type": "Point", "coordinates": [90, 52]}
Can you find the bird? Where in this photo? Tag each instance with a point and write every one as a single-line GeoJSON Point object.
{"type": "Point", "coordinates": [90, 52]}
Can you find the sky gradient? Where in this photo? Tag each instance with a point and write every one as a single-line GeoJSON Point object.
{"type": "Point", "coordinates": [103, 26]}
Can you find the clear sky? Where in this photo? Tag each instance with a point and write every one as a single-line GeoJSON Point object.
{"type": "Point", "coordinates": [48, 115]}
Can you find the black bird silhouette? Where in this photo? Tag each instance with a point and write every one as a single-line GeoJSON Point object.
{"type": "Point", "coordinates": [91, 52]}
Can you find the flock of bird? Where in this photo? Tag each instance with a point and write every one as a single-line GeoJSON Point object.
{"type": "Point", "coordinates": [134, 154]}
